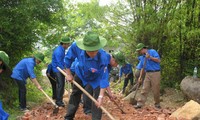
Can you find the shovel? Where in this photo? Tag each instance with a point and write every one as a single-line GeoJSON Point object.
{"type": "Point", "coordinates": [55, 111]}
{"type": "Point", "coordinates": [86, 93]}
{"type": "Point", "coordinates": [133, 100]}
{"type": "Point", "coordinates": [122, 111]}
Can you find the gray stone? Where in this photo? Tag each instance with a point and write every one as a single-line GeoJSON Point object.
{"type": "Point", "coordinates": [191, 88]}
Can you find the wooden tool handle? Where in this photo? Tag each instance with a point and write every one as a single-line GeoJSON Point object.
{"type": "Point", "coordinates": [49, 98]}
{"type": "Point", "coordinates": [85, 92]}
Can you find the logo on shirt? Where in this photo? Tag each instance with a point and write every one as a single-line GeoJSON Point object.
{"type": "Point", "coordinates": [105, 69]}
{"type": "Point", "coordinates": [93, 70]}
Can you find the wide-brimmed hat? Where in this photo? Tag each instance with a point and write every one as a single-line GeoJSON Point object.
{"type": "Point", "coordinates": [91, 42]}
{"type": "Point", "coordinates": [119, 57]}
{"type": "Point", "coordinates": [140, 46]}
{"type": "Point", "coordinates": [4, 57]}
{"type": "Point", "coordinates": [39, 56]}
{"type": "Point", "coordinates": [65, 40]}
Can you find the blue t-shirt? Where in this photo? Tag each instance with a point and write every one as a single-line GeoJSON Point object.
{"type": "Point", "coordinates": [24, 69]}
{"type": "Point", "coordinates": [90, 70]}
{"type": "Point", "coordinates": [126, 69]}
{"type": "Point", "coordinates": [150, 64]}
{"type": "Point", "coordinates": [58, 58]}
{"type": "Point", "coordinates": [72, 68]}
{"type": "Point", "coordinates": [140, 63]}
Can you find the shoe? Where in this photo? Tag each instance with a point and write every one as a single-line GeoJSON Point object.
{"type": "Point", "coordinates": [137, 106]}
{"type": "Point", "coordinates": [24, 109]}
{"type": "Point", "coordinates": [157, 106]}
{"type": "Point", "coordinates": [88, 112]}
{"type": "Point", "coordinates": [60, 104]}
{"type": "Point", "coordinates": [68, 119]}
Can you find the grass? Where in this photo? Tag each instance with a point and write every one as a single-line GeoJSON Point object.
{"type": "Point", "coordinates": [34, 98]}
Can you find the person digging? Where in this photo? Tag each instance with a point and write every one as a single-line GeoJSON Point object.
{"type": "Point", "coordinates": [23, 70]}
{"type": "Point", "coordinates": [4, 61]}
{"type": "Point", "coordinates": [90, 69]}
{"type": "Point", "coordinates": [126, 69]}
{"type": "Point", "coordinates": [152, 77]}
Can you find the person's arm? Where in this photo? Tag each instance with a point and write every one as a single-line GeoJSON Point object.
{"type": "Point", "coordinates": [1, 70]}
{"type": "Point", "coordinates": [70, 57]}
{"type": "Point", "coordinates": [100, 98]}
{"type": "Point", "coordinates": [110, 95]}
{"type": "Point", "coordinates": [142, 71]}
{"type": "Point", "coordinates": [69, 75]}
{"type": "Point", "coordinates": [34, 80]}
{"type": "Point", "coordinates": [104, 83]}
{"type": "Point", "coordinates": [155, 57]}
{"type": "Point", "coordinates": [30, 68]}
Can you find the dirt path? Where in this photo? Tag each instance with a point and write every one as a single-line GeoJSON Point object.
{"type": "Point", "coordinates": [148, 112]}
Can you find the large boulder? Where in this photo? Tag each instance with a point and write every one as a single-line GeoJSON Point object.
{"type": "Point", "coordinates": [191, 88]}
{"type": "Point", "coordinates": [190, 111]}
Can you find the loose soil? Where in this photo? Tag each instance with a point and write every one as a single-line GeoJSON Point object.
{"type": "Point", "coordinates": [171, 100]}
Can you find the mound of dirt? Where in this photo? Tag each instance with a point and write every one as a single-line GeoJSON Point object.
{"type": "Point", "coordinates": [45, 112]}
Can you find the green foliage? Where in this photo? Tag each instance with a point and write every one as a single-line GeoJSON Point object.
{"type": "Point", "coordinates": [170, 27]}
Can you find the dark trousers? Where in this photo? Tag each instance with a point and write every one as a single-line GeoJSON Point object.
{"type": "Point", "coordinates": [60, 80]}
{"type": "Point", "coordinates": [87, 102]}
{"type": "Point", "coordinates": [126, 81]}
{"type": "Point", "coordinates": [75, 100]}
{"type": "Point", "coordinates": [22, 93]}
{"type": "Point", "coordinates": [53, 85]}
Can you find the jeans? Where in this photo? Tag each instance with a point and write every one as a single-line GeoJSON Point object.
{"type": "Point", "coordinates": [60, 80]}
{"type": "Point", "coordinates": [53, 85]}
{"type": "Point", "coordinates": [129, 77]}
{"type": "Point", "coordinates": [87, 102]}
{"type": "Point", "coordinates": [22, 93]}
{"type": "Point", "coordinates": [75, 100]}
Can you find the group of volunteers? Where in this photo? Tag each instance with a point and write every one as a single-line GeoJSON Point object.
{"type": "Point", "coordinates": [87, 63]}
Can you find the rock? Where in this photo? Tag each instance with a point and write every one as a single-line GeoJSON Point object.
{"type": "Point", "coordinates": [191, 88]}
{"type": "Point", "coordinates": [130, 97]}
{"type": "Point", "coordinates": [190, 111]}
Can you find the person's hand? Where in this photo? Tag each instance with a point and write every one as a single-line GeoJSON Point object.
{"type": "Point", "coordinates": [112, 97]}
{"type": "Point", "coordinates": [39, 87]}
{"type": "Point", "coordinates": [99, 101]}
{"type": "Point", "coordinates": [126, 76]}
{"type": "Point", "coordinates": [140, 80]}
{"type": "Point", "coordinates": [147, 55]}
{"type": "Point", "coordinates": [69, 78]}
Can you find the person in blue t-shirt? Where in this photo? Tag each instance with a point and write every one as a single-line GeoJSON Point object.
{"type": "Point", "coordinates": [90, 69]}
{"type": "Point", "coordinates": [152, 77]}
{"type": "Point", "coordinates": [126, 69]}
{"type": "Point", "coordinates": [52, 79]}
{"type": "Point", "coordinates": [58, 61]}
{"type": "Point", "coordinates": [112, 62]}
{"type": "Point", "coordinates": [23, 70]}
{"type": "Point", "coordinates": [4, 61]}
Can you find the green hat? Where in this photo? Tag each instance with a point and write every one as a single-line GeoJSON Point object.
{"type": "Point", "coordinates": [39, 56]}
{"type": "Point", "coordinates": [4, 57]}
{"type": "Point", "coordinates": [65, 40]}
{"type": "Point", "coordinates": [140, 46]}
{"type": "Point", "coordinates": [91, 42]}
{"type": "Point", "coordinates": [119, 57]}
